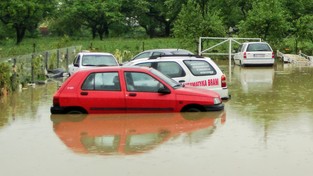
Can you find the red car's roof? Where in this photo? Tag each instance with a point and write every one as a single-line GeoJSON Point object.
{"type": "Point", "coordinates": [115, 68]}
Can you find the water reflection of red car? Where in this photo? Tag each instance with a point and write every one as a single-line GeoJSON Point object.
{"type": "Point", "coordinates": [112, 134]}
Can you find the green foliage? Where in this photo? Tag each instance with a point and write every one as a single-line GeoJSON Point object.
{"type": "Point", "coordinates": [63, 42]}
{"type": "Point", "coordinates": [52, 62]}
{"type": "Point", "coordinates": [122, 56]}
{"type": "Point", "coordinates": [8, 79]}
{"type": "Point", "coordinates": [96, 15]}
{"type": "Point", "coordinates": [23, 73]}
{"type": "Point", "coordinates": [133, 11]}
{"type": "Point", "coordinates": [160, 16]}
{"type": "Point", "coordinates": [190, 25]}
{"type": "Point", "coordinates": [302, 31]}
{"type": "Point", "coordinates": [5, 74]}
{"type": "Point", "coordinates": [5, 33]}
{"type": "Point", "coordinates": [266, 20]}
{"type": "Point", "coordinates": [38, 68]}
{"type": "Point", "coordinates": [21, 15]}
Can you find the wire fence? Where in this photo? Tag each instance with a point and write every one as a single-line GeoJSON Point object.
{"type": "Point", "coordinates": [32, 68]}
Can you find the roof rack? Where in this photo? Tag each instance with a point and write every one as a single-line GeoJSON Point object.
{"type": "Point", "coordinates": [175, 55]}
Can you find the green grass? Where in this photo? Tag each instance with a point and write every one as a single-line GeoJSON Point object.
{"type": "Point", "coordinates": [122, 48]}
{"type": "Point", "coordinates": [111, 45]}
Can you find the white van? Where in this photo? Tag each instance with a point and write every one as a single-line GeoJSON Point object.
{"type": "Point", "coordinates": [190, 70]}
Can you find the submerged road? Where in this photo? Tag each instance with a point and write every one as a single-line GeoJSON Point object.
{"type": "Point", "coordinates": [265, 129]}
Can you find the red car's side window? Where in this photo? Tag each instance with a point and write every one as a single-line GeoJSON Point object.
{"type": "Point", "coordinates": [141, 82]}
{"type": "Point", "coordinates": [108, 81]}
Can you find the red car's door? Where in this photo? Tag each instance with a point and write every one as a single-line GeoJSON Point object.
{"type": "Point", "coordinates": [142, 94]}
{"type": "Point", "coordinates": [102, 93]}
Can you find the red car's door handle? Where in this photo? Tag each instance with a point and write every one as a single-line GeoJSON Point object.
{"type": "Point", "coordinates": [84, 93]}
{"type": "Point", "coordinates": [132, 94]}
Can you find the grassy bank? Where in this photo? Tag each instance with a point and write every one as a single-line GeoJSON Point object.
{"type": "Point", "coordinates": [111, 45]}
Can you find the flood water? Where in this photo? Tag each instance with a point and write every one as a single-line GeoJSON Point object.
{"type": "Point", "coordinates": [266, 129]}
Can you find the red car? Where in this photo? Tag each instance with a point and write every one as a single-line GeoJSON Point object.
{"type": "Point", "coordinates": [129, 90]}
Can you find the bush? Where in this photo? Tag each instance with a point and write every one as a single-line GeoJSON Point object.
{"type": "Point", "coordinates": [38, 68]}
{"type": "Point", "coordinates": [5, 73]}
{"type": "Point", "coordinates": [5, 76]}
{"type": "Point", "coordinates": [122, 56]}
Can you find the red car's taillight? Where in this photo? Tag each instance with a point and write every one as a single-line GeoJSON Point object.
{"type": "Point", "coordinates": [244, 55]}
{"type": "Point", "coordinates": [223, 79]}
{"type": "Point", "coordinates": [56, 101]}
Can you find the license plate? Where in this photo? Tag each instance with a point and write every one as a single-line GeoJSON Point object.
{"type": "Point", "coordinates": [259, 55]}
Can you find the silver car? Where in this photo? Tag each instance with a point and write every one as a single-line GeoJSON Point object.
{"type": "Point", "coordinates": [157, 52]}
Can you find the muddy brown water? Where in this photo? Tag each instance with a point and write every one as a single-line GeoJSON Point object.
{"type": "Point", "coordinates": [266, 129]}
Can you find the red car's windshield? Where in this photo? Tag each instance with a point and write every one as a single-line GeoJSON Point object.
{"type": "Point", "coordinates": [167, 79]}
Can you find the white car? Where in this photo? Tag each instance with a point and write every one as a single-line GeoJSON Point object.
{"type": "Point", "coordinates": [85, 60]}
{"type": "Point", "coordinates": [254, 53]}
{"type": "Point", "coordinates": [189, 70]}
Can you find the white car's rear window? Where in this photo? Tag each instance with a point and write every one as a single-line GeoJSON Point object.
{"type": "Point", "coordinates": [98, 60]}
{"type": "Point", "coordinates": [258, 47]}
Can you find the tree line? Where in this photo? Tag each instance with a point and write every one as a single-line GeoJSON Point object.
{"type": "Point", "coordinates": [271, 20]}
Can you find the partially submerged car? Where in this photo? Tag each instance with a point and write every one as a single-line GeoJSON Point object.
{"type": "Point", "coordinates": [85, 60]}
{"type": "Point", "coordinates": [130, 90]}
{"type": "Point", "coordinates": [192, 70]}
{"type": "Point", "coordinates": [254, 53]}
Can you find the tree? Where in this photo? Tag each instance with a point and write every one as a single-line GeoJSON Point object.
{"type": "Point", "coordinates": [133, 10]}
{"type": "Point", "coordinates": [190, 25]}
{"type": "Point", "coordinates": [159, 17]}
{"type": "Point", "coordinates": [301, 20]}
{"type": "Point", "coordinates": [267, 20]}
{"type": "Point", "coordinates": [24, 15]}
{"type": "Point", "coordinates": [59, 22]}
{"type": "Point", "coordinates": [203, 6]}
{"type": "Point", "coordinates": [5, 32]}
{"type": "Point", "coordinates": [97, 15]}
{"type": "Point", "coordinates": [155, 18]}
{"type": "Point", "coordinates": [232, 11]}
{"type": "Point", "coordinates": [303, 29]}
{"type": "Point", "coordinates": [170, 13]}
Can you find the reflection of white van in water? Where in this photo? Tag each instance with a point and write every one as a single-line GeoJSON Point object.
{"type": "Point", "coordinates": [254, 79]}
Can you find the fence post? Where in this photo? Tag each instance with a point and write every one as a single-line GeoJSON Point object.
{"type": "Point", "coordinates": [32, 67]}
{"type": "Point", "coordinates": [66, 59]}
{"type": "Point", "coordinates": [34, 47]}
{"type": "Point", "coordinates": [143, 46]}
{"type": "Point", "coordinates": [58, 58]}
{"type": "Point", "coordinates": [46, 60]}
